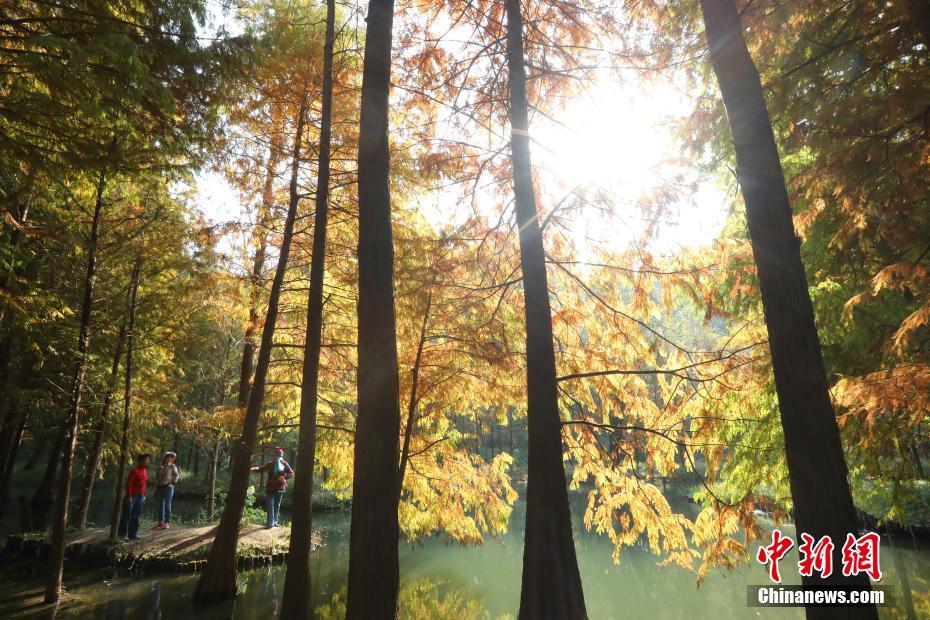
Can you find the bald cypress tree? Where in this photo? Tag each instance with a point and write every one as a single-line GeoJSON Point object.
{"type": "Point", "coordinates": [817, 471]}
{"type": "Point", "coordinates": [551, 582]}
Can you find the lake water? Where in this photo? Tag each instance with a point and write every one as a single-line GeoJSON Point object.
{"type": "Point", "coordinates": [440, 580]}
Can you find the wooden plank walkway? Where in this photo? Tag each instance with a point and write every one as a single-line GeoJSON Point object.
{"type": "Point", "coordinates": [178, 549]}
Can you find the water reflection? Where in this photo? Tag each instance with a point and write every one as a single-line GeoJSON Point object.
{"type": "Point", "coordinates": [447, 581]}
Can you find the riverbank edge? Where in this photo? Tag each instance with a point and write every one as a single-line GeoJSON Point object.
{"type": "Point", "coordinates": [112, 554]}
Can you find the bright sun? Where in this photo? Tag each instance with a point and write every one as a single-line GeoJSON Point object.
{"type": "Point", "coordinates": [618, 139]}
{"type": "Point", "coordinates": [607, 136]}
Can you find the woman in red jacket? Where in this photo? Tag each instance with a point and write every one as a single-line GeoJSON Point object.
{"type": "Point", "coordinates": [135, 499]}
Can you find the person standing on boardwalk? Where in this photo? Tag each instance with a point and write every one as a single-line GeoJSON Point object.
{"type": "Point", "coordinates": [165, 479]}
{"type": "Point", "coordinates": [135, 499]}
{"type": "Point", "coordinates": [279, 472]}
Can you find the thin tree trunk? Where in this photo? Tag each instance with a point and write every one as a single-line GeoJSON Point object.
{"type": "Point", "coordinates": [60, 520]}
{"type": "Point", "coordinates": [9, 278]}
{"type": "Point", "coordinates": [255, 282]}
{"type": "Point", "coordinates": [414, 399]}
{"type": "Point", "coordinates": [510, 428]}
{"type": "Point", "coordinates": [12, 436]}
{"type": "Point", "coordinates": [92, 464]}
{"type": "Point", "coordinates": [374, 573]}
{"type": "Point", "coordinates": [816, 467]}
{"type": "Point", "coordinates": [119, 491]}
{"type": "Point", "coordinates": [211, 497]}
{"type": "Point", "coordinates": [218, 580]}
{"type": "Point", "coordinates": [551, 585]}
{"type": "Point", "coordinates": [294, 602]}
{"type": "Point", "coordinates": [7, 425]}
{"type": "Point", "coordinates": [41, 501]}
{"type": "Point", "coordinates": [918, 465]}
{"type": "Point", "coordinates": [11, 459]}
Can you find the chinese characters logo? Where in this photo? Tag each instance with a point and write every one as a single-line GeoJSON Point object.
{"type": "Point", "coordinates": [859, 555]}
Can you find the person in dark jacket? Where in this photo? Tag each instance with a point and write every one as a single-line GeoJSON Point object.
{"type": "Point", "coordinates": [279, 472]}
{"type": "Point", "coordinates": [135, 499]}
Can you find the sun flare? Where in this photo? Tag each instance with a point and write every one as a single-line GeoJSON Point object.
{"type": "Point", "coordinates": [618, 138]}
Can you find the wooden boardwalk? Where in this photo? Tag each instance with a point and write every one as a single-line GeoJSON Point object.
{"type": "Point", "coordinates": [178, 549]}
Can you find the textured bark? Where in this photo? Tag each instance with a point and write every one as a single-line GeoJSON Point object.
{"type": "Point", "coordinates": [218, 580]}
{"type": "Point", "coordinates": [374, 574]}
{"type": "Point", "coordinates": [294, 602]}
{"type": "Point", "coordinates": [92, 463]}
{"type": "Point", "coordinates": [56, 557]}
{"type": "Point", "coordinates": [551, 585]}
{"type": "Point", "coordinates": [255, 282]}
{"type": "Point", "coordinates": [816, 467]}
{"type": "Point", "coordinates": [119, 492]}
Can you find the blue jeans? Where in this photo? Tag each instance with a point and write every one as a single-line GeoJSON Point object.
{"type": "Point", "coordinates": [129, 517]}
{"type": "Point", "coordinates": [273, 506]}
{"type": "Point", "coordinates": [163, 497]}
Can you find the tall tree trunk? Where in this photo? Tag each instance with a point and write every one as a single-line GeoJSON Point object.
{"type": "Point", "coordinates": [119, 492]}
{"type": "Point", "coordinates": [8, 423]}
{"type": "Point", "coordinates": [60, 518]}
{"type": "Point", "coordinates": [255, 282]}
{"type": "Point", "coordinates": [218, 580]}
{"type": "Point", "coordinates": [816, 467]}
{"type": "Point", "coordinates": [374, 573]}
{"type": "Point", "coordinates": [294, 602]}
{"type": "Point", "coordinates": [41, 501]}
{"type": "Point", "coordinates": [92, 463]}
{"type": "Point", "coordinates": [414, 398]}
{"type": "Point", "coordinates": [551, 585]}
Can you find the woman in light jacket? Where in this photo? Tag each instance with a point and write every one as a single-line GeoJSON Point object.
{"type": "Point", "coordinates": [279, 472]}
{"type": "Point", "coordinates": [165, 479]}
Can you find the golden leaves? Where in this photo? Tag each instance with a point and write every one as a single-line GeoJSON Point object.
{"type": "Point", "coordinates": [899, 397]}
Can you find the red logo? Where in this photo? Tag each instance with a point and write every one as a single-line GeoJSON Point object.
{"type": "Point", "coordinates": [771, 554]}
{"type": "Point", "coordinates": [860, 555]}
{"type": "Point", "coordinates": [817, 557]}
